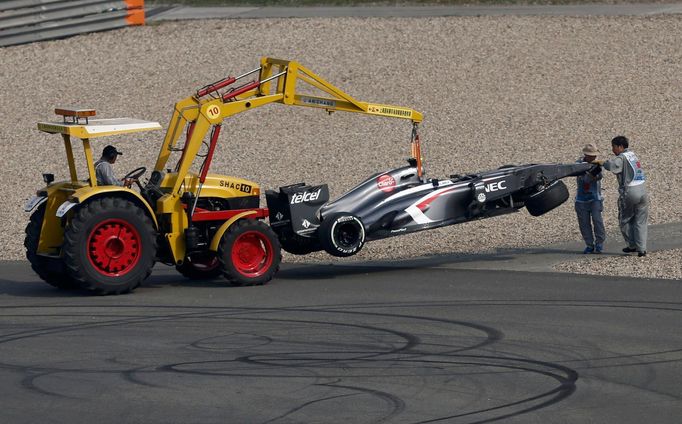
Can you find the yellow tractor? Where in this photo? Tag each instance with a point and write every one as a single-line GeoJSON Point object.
{"type": "Point", "coordinates": [106, 238]}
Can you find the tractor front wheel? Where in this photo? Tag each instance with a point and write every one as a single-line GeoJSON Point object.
{"type": "Point", "coordinates": [50, 270]}
{"type": "Point", "coordinates": [110, 246]}
{"type": "Point", "coordinates": [249, 253]}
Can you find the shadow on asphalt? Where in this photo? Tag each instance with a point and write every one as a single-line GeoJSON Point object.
{"type": "Point", "coordinates": [325, 270]}
{"type": "Point", "coordinates": [537, 259]}
{"type": "Point", "coordinates": [37, 288]}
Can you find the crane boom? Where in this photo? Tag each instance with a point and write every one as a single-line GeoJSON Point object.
{"type": "Point", "coordinates": [277, 81]}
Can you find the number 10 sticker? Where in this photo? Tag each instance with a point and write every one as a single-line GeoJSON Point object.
{"type": "Point", "coordinates": [213, 112]}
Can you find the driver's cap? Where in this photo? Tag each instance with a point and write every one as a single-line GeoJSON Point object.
{"type": "Point", "coordinates": [110, 151]}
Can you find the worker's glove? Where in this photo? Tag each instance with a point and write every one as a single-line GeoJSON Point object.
{"type": "Point", "coordinates": [599, 162]}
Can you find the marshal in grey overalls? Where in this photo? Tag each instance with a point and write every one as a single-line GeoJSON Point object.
{"type": "Point", "coordinates": [633, 203]}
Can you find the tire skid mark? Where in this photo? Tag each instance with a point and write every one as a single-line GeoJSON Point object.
{"type": "Point", "coordinates": [397, 405]}
{"type": "Point", "coordinates": [375, 352]}
{"type": "Point", "coordinates": [304, 405]}
{"type": "Point", "coordinates": [29, 383]}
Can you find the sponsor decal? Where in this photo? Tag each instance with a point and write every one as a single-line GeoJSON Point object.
{"type": "Point", "coordinates": [390, 111]}
{"type": "Point", "coordinates": [499, 185]}
{"type": "Point", "coordinates": [318, 102]}
{"type": "Point", "coordinates": [399, 230]}
{"type": "Point", "coordinates": [245, 188]}
{"type": "Point", "coordinates": [386, 183]}
{"type": "Point", "coordinates": [481, 197]}
{"type": "Point", "coordinates": [306, 196]}
{"type": "Point", "coordinates": [279, 216]}
{"type": "Point", "coordinates": [305, 223]}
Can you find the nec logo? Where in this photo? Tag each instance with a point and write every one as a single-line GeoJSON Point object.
{"type": "Point", "coordinates": [500, 185]}
{"type": "Point", "coordinates": [306, 196]}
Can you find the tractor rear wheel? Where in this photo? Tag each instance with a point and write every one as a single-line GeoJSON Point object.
{"type": "Point", "coordinates": [249, 253]}
{"type": "Point", "coordinates": [110, 246]}
{"type": "Point", "coordinates": [201, 266]}
{"type": "Point", "coordinates": [50, 270]}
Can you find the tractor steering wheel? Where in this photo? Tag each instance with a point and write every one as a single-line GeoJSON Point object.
{"type": "Point", "coordinates": [135, 174]}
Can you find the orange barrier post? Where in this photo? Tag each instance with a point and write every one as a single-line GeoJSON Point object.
{"type": "Point", "coordinates": [135, 12]}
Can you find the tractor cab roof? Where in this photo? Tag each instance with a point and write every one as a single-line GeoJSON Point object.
{"type": "Point", "coordinates": [72, 124]}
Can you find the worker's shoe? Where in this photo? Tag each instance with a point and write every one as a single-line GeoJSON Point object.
{"type": "Point", "coordinates": [588, 249]}
{"type": "Point", "coordinates": [598, 248]}
{"type": "Point", "coordinates": [640, 254]}
{"type": "Point", "coordinates": [629, 249]}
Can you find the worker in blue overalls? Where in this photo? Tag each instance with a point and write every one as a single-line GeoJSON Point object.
{"type": "Point", "coordinates": [589, 204]}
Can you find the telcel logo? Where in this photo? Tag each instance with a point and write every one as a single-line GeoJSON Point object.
{"type": "Point", "coordinates": [499, 185]}
{"type": "Point", "coordinates": [306, 196]}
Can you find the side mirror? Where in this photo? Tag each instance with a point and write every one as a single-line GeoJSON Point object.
{"type": "Point", "coordinates": [48, 178]}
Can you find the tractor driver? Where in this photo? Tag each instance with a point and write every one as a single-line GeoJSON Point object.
{"type": "Point", "coordinates": [105, 172]}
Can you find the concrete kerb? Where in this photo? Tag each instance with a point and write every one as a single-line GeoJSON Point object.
{"type": "Point", "coordinates": [170, 12]}
{"type": "Point", "coordinates": [534, 259]}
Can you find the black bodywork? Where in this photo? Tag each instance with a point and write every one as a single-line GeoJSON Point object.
{"type": "Point", "coordinates": [399, 202]}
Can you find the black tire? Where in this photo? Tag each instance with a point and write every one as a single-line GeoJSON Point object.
{"type": "Point", "coordinates": [249, 253]}
{"type": "Point", "coordinates": [545, 200]}
{"type": "Point", "coordinates": [50, 270]}
{"type": "Point", "coordinates": [297, 245]}
{"type": "Point", "coordinates": [342, 234]}
{"type": "Point", "coordinates": [201, 266]}
{"type": "Point", "coordinates": [109, 246]}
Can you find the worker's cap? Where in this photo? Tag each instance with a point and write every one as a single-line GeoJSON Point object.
{"type": "Point", "coordinates": [590, 150]}
{"type": "Point", "coordinates": [110, 151]}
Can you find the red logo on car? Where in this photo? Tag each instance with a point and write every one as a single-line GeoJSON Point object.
{"type": "Point", "coordinates": [386, 183]}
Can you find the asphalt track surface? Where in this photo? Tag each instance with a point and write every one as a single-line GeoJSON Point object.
{"type": "Point", "coordinates": [344, 343]}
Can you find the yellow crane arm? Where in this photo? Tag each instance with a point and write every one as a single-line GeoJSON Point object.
{"type": "Point", "coordinates": [336, 99]}
{"type": "Point", "coordinates": [278, 81]}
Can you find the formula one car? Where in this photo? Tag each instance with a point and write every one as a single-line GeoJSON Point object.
{"type": "Point", "coordinates": [400, 201]}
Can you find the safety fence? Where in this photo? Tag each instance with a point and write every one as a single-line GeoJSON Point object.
{"type": "Point", "coordinates": [27, 21]}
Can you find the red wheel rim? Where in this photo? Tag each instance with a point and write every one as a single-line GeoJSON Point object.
{"type": "Point", "coordinates": [114, 247]}
{"type": "Point", "coordinates": [252, 254]}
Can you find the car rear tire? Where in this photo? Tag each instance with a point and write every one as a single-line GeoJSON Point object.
{"type": "Point", "coordinates": [50, 270]}
{"type": "Point", "coordinates": [110, 246]}
{"type": "Point", "coordinates": [249, 253]}
{"type": "Point", "coordinates": [545, 200]}
{"type": "Point", "coordinates": [342, 234]}
{"type": "Point", "coordinates": [201, 266]}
